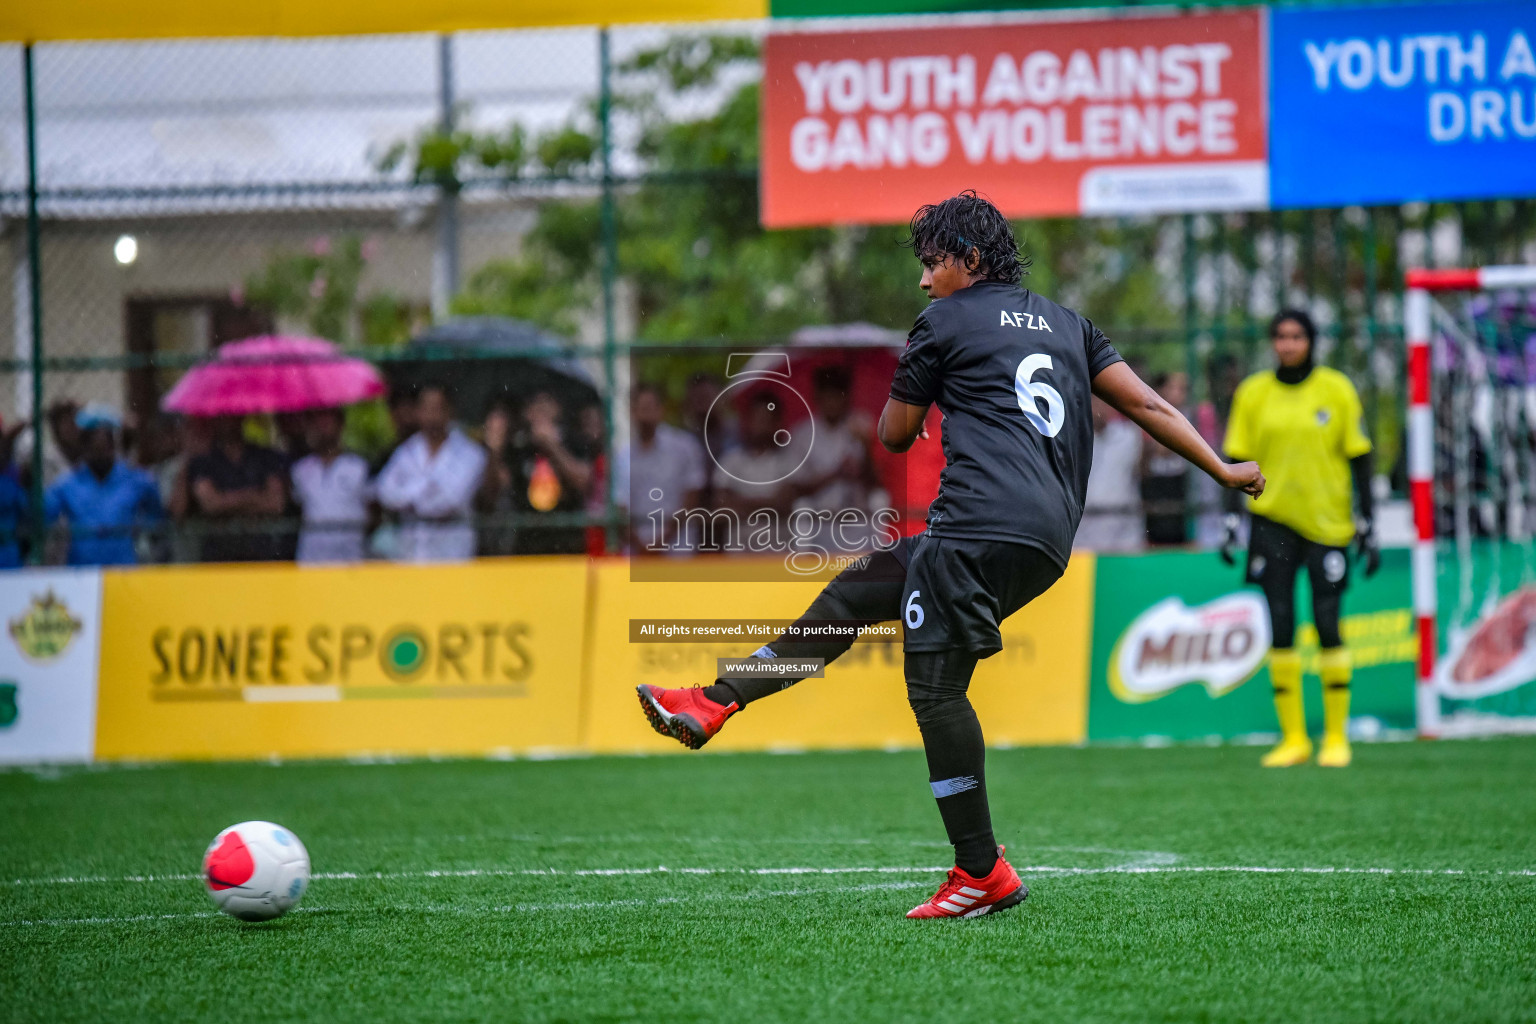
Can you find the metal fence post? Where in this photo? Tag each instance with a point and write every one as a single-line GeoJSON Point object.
{"type": "Point", "coordinates": [1368, 326]}
{"type": "Point", "coordinates": [35, 288]}
{"type": "Point", "coordinates": [610, 243]}
{"type": "Point", "coordinates": [1348, 358]}
{"type": "Point", "coordinates": [1188, 260]}
{"type": "Point", "coordinates": [1198, 381]}
{"type": "Point", "coordinates": [445, 269]}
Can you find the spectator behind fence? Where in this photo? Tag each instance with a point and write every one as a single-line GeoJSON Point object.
{"type": "Point", "coordinates": [237, 486]}
{"type": "Point", "coordinates": [1112, 519]}
{"type": "Point", "coordinates": [705, 416]}
{"type": "Point", "coordinates": [333, 492]}
{"type": "Point", "coordinates": [548, 469]}
{"type": "Point", "coordinates": [293, 435]}
{"type": "Point", "coordinates": [759, 473]}
{"type": "Point", "coordinates": [15, 507]}
{"type": "Point", "coordinates": [1165, 476]}
{"type": "Point", "coordinates": [194, 437]}
{"type": "Point", "coordinates": [431, 482]}
{"type": "Point", "coordinates": [292, 442]}
{"type": "Point", "coordinates": [105, 501]}
{"type": "Point", "coordinates": [157, 451]}
{"type": "Point", "coordinates": [659, 474]}
{"type": "Point", "coordinates": [838, 468]}
{"type": "Point", "coordinates": [1223, 374]}
{"type": "Point", "coordinates": [403, 400]}
{"type": "Point", "coordinates": [592, 427]}
{"type": "Point", "coordinates": [497, 536]}
{"type": "Point", "coordinates": [61, 444]}
{"type": "Point", "coordinates": [713, 423]}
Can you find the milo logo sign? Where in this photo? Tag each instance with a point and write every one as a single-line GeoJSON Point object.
{"type": "Point", "coordinates": [1219, 644]}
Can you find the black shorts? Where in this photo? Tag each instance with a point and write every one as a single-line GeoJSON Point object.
{"type": "Point", "coordinates": [958, 592]}
{"type": "Point", "coordinates": [1276, 552]}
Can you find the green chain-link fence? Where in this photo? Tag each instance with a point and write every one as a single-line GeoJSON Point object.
{"type": "Point", "coordinates": [599, 184]}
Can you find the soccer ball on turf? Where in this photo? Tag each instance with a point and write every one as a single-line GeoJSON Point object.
{"type": "Point", "coordinates": [256, 870]}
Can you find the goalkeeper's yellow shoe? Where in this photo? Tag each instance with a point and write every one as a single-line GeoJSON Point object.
{"type": "Point", "coordinates": [1290, 752]}
{"type": "Point", "coordinates": [1334, 753]}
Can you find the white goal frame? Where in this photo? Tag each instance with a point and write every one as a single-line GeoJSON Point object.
{"type": "Point", "coordinates": [1418, 326]}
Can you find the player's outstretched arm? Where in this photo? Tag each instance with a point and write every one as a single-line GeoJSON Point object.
{"type": "Point", "coordinates": [1131, 396]}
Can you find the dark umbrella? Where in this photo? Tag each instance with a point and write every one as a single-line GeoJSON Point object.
{"type": "Point", "coordinates": [483, 359]}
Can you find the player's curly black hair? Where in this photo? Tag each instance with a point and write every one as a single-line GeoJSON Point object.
{"type": "Point", "coordinates": [965, 222]}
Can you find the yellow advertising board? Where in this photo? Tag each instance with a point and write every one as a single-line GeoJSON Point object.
{"type": "Point", "coordinates": [256, 661]}
{"type": "Point", "coordinates": [1033, 692]}
{"type": "Point", "coordinates": [143, 19]}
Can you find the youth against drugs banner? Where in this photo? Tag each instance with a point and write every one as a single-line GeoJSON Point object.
{"type": "Point", "coordinates": [1387, 104]}
{"type": "Point", "coordinates": [1125, 115]}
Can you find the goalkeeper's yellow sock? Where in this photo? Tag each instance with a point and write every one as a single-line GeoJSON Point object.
{"type": "Point", "coordinates": [1285, 673]}
{"type": "Point", "coordinates": [1336, 670]}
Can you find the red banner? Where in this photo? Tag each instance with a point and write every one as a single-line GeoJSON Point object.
{"type": "Point", "coordinates": [1122, 115]}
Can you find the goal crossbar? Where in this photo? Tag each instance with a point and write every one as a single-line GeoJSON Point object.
{"type": "Point", "coordinates": [1418, 326]}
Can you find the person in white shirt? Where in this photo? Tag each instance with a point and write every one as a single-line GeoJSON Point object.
{"type": "Point", "coordinates": [431, 482]}
{"type": "Point", "coordinates": [660, 473]}
{"type": "Point", "coordinates": [333, 492]}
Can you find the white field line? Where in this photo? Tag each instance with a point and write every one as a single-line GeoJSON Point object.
{"type": "Point", "coordinates": [672, 900]}
{"type": "Point", "coordinates": [1159, 856]}
{"type": "Point", "coordinates": [346, 876]}
{"type": "Point", "coordinates": [514, 908]}
{"type": "Point", "coordinates": [1027, 869]}
{"type": "Point", "coordinates": [49, 922]}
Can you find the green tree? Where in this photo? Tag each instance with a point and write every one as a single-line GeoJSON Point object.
{"type": "Point", "coordinates": [691, 247]}
{"type": "Point", "coordinates": [320, 288]}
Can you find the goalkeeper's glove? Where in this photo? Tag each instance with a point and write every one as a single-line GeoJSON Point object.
{"type": "Point", "coordinates": [1228, 549]}
{"type": "Point", "coordinates": [1366, 550]}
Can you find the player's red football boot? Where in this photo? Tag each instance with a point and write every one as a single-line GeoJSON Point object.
{"type": "Point", "coordinates": [686, 715]}
{"type": "Point", "coordinates": [964, 896]}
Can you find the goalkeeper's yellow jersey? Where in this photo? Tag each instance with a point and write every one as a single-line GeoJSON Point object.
{"type": "Point", "coordinates": [1302, 436]}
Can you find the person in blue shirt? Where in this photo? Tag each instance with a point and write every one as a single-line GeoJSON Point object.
{"type": "Point", "coordinates": [14, 509]}
{"type": "Point", "coordinates": [104, 499]}
{"type": "Point", "coordinates": [15, 504]}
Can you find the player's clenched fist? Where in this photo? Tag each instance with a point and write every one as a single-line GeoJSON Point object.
{"type": "Point", "coordinates": [1245, 477]}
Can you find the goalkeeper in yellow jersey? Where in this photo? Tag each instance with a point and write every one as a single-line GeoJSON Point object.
{"type": "Point", "coordinates": [1302, 423]}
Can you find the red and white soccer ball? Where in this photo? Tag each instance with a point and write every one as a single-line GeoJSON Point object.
{"type": "Point", "coordinates": [256, 870]}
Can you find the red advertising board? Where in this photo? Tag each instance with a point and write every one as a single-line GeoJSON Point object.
{"type": "Point", "coordinates": [1116, 115]}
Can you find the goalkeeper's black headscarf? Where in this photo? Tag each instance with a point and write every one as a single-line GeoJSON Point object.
{"type": "Point", "coordinates": [1296, 374]}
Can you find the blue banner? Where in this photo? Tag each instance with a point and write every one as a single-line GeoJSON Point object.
{"type": "Point", "coordinates": [1392, 103]}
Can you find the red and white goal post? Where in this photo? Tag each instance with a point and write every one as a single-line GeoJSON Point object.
{"type": "Point", "coordinates": [1471, 338]}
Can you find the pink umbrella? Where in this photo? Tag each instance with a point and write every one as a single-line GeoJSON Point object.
{"type": "Point", "coordinates": [274, 374]}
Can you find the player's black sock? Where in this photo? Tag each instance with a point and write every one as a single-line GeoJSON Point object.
{"type": "Point", "coordinates": [861, 595]}
{"type": "Point", "coordinates": [952, 740]}
{"type": "Point", "coordinates": [745, 691]}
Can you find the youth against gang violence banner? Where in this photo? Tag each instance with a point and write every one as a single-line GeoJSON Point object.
{"type": "Point", "coordinates": [1403, 102]}
{"type": "Point", "coordinates": [1126, 115]}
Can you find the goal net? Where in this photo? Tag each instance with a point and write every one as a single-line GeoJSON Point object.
{"type": "Point", "coordinates": [1472, 472]}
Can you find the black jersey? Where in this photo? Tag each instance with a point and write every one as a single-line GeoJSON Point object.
{"type": "Point", "coordinates": [1011, 373]}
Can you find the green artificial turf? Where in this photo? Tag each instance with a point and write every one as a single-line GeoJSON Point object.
{"type": "Point", "coordinates": [1150, 941]}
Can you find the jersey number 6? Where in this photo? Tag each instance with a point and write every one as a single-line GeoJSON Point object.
{"type": "Point", "coordinates": [914, 611]}
{"type": "Point", "coordinates": [1028, 391]}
